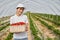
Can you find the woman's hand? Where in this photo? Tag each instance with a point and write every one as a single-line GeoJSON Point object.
{"type": "Point", "coordinates": [27, 26]}
{"type": "Point", "coordinates": [26, 29]}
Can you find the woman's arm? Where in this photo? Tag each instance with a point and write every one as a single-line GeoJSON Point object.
{"type": "Point", "coordinates": [27, 23]}
{"type": "Point", "coordinates": [27, 26]}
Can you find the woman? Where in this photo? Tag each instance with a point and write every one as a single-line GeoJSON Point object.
{"type": "Point", "coordinates": [19, 17]}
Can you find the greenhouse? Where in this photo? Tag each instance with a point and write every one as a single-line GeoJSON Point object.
{"type": "Point", "coordinates": [43, 17]}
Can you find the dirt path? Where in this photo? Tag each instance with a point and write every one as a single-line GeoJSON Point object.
{"type": "Point", "coordinates": [50, 23]}
{"type": "Point", "coordinates": [30, 37]}
{"type": "Point", "coordinates": [3, 37]}
{"type": "Point", "coordinates": [45, 30]}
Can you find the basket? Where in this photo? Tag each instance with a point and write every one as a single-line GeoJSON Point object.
{"type": "Point", "coordinates": [20, 28]}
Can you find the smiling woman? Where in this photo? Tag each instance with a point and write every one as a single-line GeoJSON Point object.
{"type": "Point", "coordinates": [19, 19]}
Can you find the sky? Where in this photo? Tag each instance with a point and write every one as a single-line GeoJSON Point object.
{"type": "Point", "coordinates": [8, 7]}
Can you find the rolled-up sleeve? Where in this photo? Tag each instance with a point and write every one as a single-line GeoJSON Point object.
{"type": "Point", "coordinates": [26, 20]}
{"type": "Point", "coordinates": [11, 20]}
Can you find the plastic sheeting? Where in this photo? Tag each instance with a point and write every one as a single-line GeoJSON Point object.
{"type": "Point", "coordinates": [8, 7]}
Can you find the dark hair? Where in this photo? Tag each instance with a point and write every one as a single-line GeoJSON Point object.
{"type": "Point", "coordinates": [20, 7]}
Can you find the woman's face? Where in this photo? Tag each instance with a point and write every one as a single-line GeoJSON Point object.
{"type": "Point", "coordinates": [20, 10]}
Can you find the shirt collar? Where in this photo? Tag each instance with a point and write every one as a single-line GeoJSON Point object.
{"type": "Point", "coordinates": [18, 16]}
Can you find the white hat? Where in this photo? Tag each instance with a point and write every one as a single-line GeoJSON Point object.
{"type": "Point", "coordinates": [20, 5]}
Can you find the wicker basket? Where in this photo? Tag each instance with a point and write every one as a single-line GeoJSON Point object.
{"type": "Point", "coordinates": [20, 28]}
